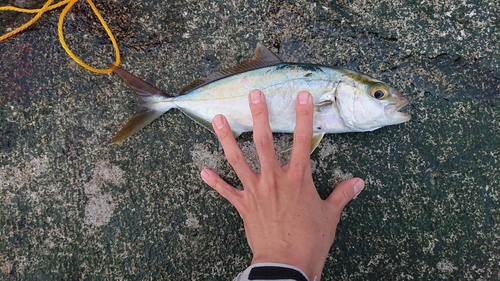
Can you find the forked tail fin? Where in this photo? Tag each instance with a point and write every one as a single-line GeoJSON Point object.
{"type": "Point", "coordinates": [152, 104]}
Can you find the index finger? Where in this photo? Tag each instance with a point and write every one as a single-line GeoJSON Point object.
{"type": "Point", "coordinates": [302, 135]}
{"type": "Point", "coordinates": [233, 153]}
{"type": "Point", "coordinates": [262, 134]}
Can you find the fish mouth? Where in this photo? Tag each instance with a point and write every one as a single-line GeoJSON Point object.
{"type": "Point", "coordinates": [392, 111]}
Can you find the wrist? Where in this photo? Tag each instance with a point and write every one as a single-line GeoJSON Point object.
{"type": "Point", "coordinates": [302, 253]}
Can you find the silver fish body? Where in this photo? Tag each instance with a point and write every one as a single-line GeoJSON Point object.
{"type": "Point", "coordinates": [345, 101]}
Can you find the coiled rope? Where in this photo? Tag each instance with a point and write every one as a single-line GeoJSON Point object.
{"type": "Point", "coordinates": [69, 4]}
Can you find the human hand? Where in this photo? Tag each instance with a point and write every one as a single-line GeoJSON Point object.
{"type": "Point", "coordinates": [285, 220]}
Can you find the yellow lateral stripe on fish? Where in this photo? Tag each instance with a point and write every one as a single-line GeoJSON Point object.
{"type": "Point", "coordinates": [345, 101]}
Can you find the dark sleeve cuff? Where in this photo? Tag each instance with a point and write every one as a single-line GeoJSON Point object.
{"type": "Point", "coordinates": [272, 271]}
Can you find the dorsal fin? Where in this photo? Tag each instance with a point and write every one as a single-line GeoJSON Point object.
{"type": "Point", "coordinates": [263, 57]}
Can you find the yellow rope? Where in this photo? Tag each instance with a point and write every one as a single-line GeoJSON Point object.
{"type": "Point", "coordinates": [34, 11]}
{"type": "Point", "coordinates": [69, 4]}
{"type": "Point", "coordinates": [29, 23]}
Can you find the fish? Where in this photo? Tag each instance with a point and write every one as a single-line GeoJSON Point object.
{"type": "Point", "coordinates": [344, 100]}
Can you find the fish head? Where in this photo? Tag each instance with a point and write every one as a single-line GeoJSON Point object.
{"type": "Point", "coordinates": [366, 104]}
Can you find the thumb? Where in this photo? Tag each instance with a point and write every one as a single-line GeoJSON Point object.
{"type": "Point", "coordinates": [227, 191]}
{"type": "Point", "coordinates": [345, 192]}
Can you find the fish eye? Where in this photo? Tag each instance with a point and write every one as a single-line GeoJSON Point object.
{"type": "Point", "coordinates": [379, 92]}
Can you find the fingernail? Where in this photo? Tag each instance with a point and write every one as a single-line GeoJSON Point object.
{"type": "Point", "coordinates": [359, 186]}
{"type": "Point", "coordinates": [205, 175]}
{"type": "Point", "coordinates": [218, 122]}
{"type": "Point", "coordinates": [303, 98]}
{"type": "Point", "coordinates": [255, 96]}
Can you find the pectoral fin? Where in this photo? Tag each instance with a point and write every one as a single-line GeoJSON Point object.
{"type": "Point", "coordinates": [316, 139]}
